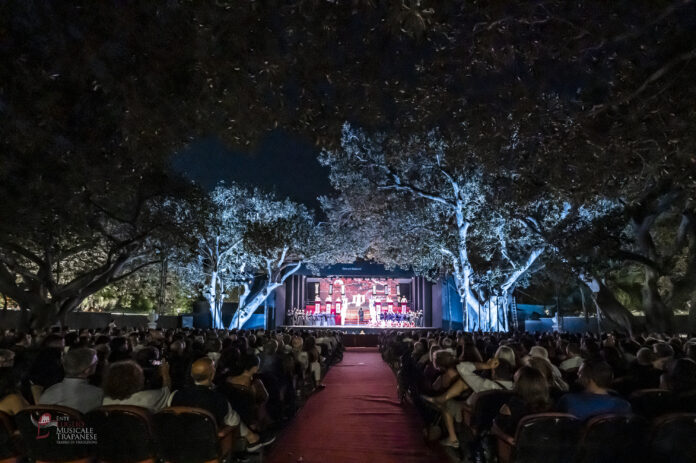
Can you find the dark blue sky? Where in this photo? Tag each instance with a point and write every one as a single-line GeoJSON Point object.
{"type": "Point", "coordinates": [280, 163]}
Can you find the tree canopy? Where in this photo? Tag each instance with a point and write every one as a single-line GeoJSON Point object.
{"type": "Point", "coordinates": [549, 108]}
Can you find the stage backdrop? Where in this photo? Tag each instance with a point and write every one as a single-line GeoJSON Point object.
{"type": "Point", "coordinates": [353, 286]}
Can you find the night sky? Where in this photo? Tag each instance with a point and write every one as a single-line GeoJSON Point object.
{"type": "Point", "coordinates": [281, 163]}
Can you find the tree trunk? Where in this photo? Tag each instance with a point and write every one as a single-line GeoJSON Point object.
{"type": "Point", "coordinates": [214, 301]}
{"type": "Point", "coordinates": [244, 312]}
{"type": "Point", "coordinates": [612, 308]}
{"type": "Point", "coordinates": [46, 315]}
{"type": "Point", "coordinates": [658, 317]}
{"type": "Point", "coordinates": [691, 325]}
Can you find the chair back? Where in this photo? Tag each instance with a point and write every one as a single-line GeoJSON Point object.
{"type": "Point", "coordinates": [52, 433]}
{"type": "Point", "coordinates": [613, 438]}
{"type": "Point", "coordinates": [124, 434]}
{"type": "Point", "coordinates": [673, 439]}
{"type": "Point", "coordinates": [485, 407]}
{"type": "Point", "coordinates": [551, 437]}
{"type": "Point", "coordinates": [185, 435]}
{"type": "Point", "coordinates": [8, 447]}
{"type": "Point", "coordinates": [652, 403]}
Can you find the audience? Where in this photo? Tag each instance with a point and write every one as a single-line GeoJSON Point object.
{"type": "Point", "coordinates": [261, 377]}
{"type": "Point", "coordinates": [581, 374]}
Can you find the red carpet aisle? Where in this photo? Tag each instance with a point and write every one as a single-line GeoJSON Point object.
{"type": "Point", "coordinates": [357, 418]}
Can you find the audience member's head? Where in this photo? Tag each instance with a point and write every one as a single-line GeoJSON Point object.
{"type": "Point", "coordinates": [247, 365]}
{"type": "Point", "coordinates": [203, 371]}
{"type": "Point", "coordinates": [691, 351]}
{"type": "Point", "coordinates": [543, 366]}
{"type": "Point", "coordinates": [539, 351]}
{"type": "Point", "coordinates": [123, 379]}
{"type": "Point", "coordinates": [595, 375]}
{"type": "Point", "coordinates": [504, 371]}
{"type": "Point", "coordinates": [663, 350]}
{"type": "Point", "coordinates": [271, 347]}
{"type": "Point", "coordinates": [80, 363]}
{"type": "Point", "coordinates": [645, 356]}
{"type": "Point", "coordinates": [213, 345]}
{"type": "Point", "coordinates": [53, 341]}
{"type": "Point", "coordinates": [6, 358]}
{"type": "Point", "coordinates": [573, 349]}
{"type": "Point", "coordinates": [680, 376]}
{"type": "Point", "coordinates": [444, 360]}
{"type": "Point", "coordinates": [532, 387]}
{"type": "Point", "coordinates": [505, 353]}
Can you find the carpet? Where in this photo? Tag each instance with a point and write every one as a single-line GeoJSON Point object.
{"type": "Point", "coordinates": [357, 418]}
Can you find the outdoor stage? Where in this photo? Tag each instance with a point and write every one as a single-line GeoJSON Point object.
{"type": "Point", "coordinates": [336, 297]}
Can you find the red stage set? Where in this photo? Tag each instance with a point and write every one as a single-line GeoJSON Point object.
{"type": "Point", "coordinates": [336, 296]}
{"type": "Point", "coordinates": [343, 298]}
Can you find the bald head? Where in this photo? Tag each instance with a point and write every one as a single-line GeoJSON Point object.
{"type": "Point", "coordinates": [203, 371]}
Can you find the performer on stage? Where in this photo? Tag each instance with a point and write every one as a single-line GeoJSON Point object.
{"type": "Point", "coordinates": [361, 314]}
{"type": "Point", "coordinates": [339, 311]}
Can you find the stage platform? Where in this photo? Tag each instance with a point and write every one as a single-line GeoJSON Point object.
{"type": "Point", "coordinates": [357, 329]}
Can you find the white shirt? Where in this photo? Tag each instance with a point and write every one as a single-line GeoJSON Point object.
{"type": "Point", "coordinates": [75, 393]}
{"type": "Point", "coordinates": [571, 363]}
{"type": "Point", "coordinates": [152, 399]}
{"type": "Point", "coordinates": [478, 383]}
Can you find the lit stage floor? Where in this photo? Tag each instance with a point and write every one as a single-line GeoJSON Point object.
{"type": "Point", "coordinates": [357, 329]}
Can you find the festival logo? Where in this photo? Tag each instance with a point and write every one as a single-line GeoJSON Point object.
{"type": "Point", "coordinates": [67, 430]}
{"type": "Point", "coordinates": [44, 423]}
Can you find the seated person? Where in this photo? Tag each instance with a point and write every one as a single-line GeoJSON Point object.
{"type": "Point", "coordinates": [124, 382]}
{"type": "Point", "coordinates": [446, 364]}
{"type": "Point", "coordinates": [680, 377]}
{"type": "Point", "coordinates": [47, 368]}
{"type": "Point", "coordinates": [148, 359]}
{"type": "Point", "coordinates": [541, 352]}
{"type": "Point", "coordinates": [556, 389]}
{"type": "Point", "coordinates": [531, 396]}
{"type": "Point", "coordinates": [246, 394]}
{"type": "Point", "coordinates": [11, 399]}
{"type": "Point", "coordinates": [75, 391]}
{"type": "Point", "coordinates": [642, 373]}
{"type": "Point", "coordinates": [573, 360]}
{"type": "Point", "coordinates": [179, 365]}
{"type": "Point", "coordinates": [664, 353]}
{"type": "Point", "coordinates": [596, 377]}
{"type": "Point", "coordinates": [314, 358]}
{"type": "Point", "coordinates": [202, 395]}
{"type": "Point", "coordinates": [501, 378]}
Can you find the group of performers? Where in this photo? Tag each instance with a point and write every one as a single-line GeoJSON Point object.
{"type": "Point", "coordinates": [301, 317]}
{"type": "Point", "coordinates": [388, 318]}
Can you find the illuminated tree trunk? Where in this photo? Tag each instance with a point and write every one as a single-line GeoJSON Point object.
{"type": "Point", "coordinates": [274, 278]}
{"type": "Point", "coordinates": [492, 313]}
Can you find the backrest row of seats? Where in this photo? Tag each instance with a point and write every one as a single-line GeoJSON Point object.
{"type": "Point", "coordinates": [117, 434]}
{"type": "Point", "coordinates": [559, 437]}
